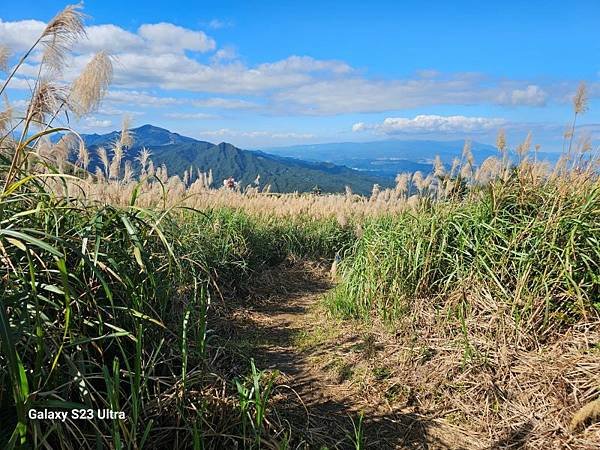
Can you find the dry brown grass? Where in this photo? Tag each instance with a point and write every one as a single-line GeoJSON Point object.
{"type": "Point", "coordinates": [500, 393]}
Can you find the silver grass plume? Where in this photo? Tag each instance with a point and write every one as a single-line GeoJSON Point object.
{"type": "Point", "coordinates": [467, 153]}
{"type": "Point", "coordinates": [489, 170]}
{"type": "Point", "coordinates": [46, 100]}
{"type": "Point", "coordinates": [103, 155]}
{"type": "Point", "coordinates": [151, 170]}
{"type": "Point", "coordinates": [126, 139]}
{"type": "Point", "coordinates": [60, 34]}
{"type": "Point", "coordinates": [466, 170]}
{"type": "Point", "coordinates": [375, 192]}
{"type": "Point", "coordinates": [580, 101]}
{"type": "Point", "coordinates": [83, 156]}
{"type": "Point", "coordinates": [455, 164]}
{"type": "Point", "coordinates": [164, 173]}
{"type": "Point", "coordinates": [90, 87]}
{"type": "Point", "coordinates": [418, 181]}
{"type": "Point", "coordinates": [523, 148]}
{"type": "Point", "coordinates": [427, 182]}
{"type": "Point", "coordinates": [43, 148]}
{"type": "Point", "coordinates": [99, 176]}
{"type": "Point", "coordinates": [143, 158]}
{"type": "Point", "coordinates": [501, 141]}
{"type": "Point", "coordinates": [127, 172]}
{"type": "Point", "coordinates": [6, 116]}
{"type": "Point", "coordinates": [438, 167]}
{"type": "Point", "coordinates": [402, 180]}
{"type": "Point", "coordinates": [115, 163]}
{"type": "Point", "coordinates": [62, 149]}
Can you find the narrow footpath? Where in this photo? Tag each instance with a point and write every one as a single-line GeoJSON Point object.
{"type": "Point", "coordinates": [317, 395]}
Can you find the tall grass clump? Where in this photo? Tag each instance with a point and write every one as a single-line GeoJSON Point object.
{"type": "Point", "coordinates": [526, 240]}
{"type": "Point", "coordinates": [235, 245]}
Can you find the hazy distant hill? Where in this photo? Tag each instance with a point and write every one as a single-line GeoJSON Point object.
{"type": "Point", "coordinates": [385, 157]}
{"type": "Point", "coordinates": [392, 156]}
{"type": "Point", "coordinates": [283, 174]}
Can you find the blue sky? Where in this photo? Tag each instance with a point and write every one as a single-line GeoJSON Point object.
{"type": "Point", "coordinates": [266, 73]}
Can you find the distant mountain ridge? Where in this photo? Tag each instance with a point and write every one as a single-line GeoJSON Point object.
{"type": "Point", "coordinates": [392, 156]}
{"type": "Point", "coordinates": [146, 135]}
{"type": "Point", "coordinates": [284, 174]}
{"type": "Point", "coordinates": [387, 157]}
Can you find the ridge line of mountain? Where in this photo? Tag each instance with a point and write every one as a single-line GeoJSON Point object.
{"type": "Point", "coordinates": [284, 174]}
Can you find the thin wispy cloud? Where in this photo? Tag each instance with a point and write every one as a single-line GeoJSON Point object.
{"type": "Point", "coordinates": [191, 116]}
{"type": "Point", "coordinates": [228, 133]}
{"type": "Point", "coordinates": [217, 24]}
{"type": "Point", "coordinates": [432, 124]}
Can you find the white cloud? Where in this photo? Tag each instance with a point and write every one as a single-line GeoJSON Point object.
{"type": "Point", "coordinates": [225, 103]}
{"type": "Point", "coordinates": [110, 38]}
{"type": "Point", "coordinates": [359, 126]}
{"type": "Point", "coordinates": [108, 110]}
{"type": "Point", "coordinates": [432, 124]}
{"type": "Point", "coordinates": [224, 54]}
{"type": "Point", "coordinates": [21, 34]}
{"type": "Point", "coordinates": [139, 98]}
{"type": "Point", "coordinates": [217, 24]}
{"type": "Point", "coordinates": [304, 64]}
{"type": "Point", "coordinates": [350, 94]}
{"type": "Point", "coordinates": [20, 83]}
{"type": "Point", "coordinates": [92, 123]}
{"type": "Point", "coordinates": [229, 133]}
{"type": "Point", "coordinates": [157, 57]}
{"type": "Point", "coordinates": [532, 95]}
{"type": "Point", "coordinates": [150, 39]}
{"type": "Point", "coordinates": [190, 116]}
{"type": "Point", "coordinates": [147, 98]}
{"type": "Point", "coordinates": [168, 37]}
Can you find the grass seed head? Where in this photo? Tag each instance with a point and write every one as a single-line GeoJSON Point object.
{"type": "Point", "coordinates": [60, 34]}
{"type": "Point", "coordinates": [580, 101]}
{"type": "Point", "coordinates": [90, 87]}
{"type": "Point", "coordinates": [46, 100]}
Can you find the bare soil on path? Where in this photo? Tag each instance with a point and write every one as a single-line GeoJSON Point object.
{"type": "Point", "coordinates": [319, 394]}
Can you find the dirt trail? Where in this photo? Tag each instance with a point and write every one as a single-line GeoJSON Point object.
{"type": "Point", "coordinates": [290, 333]}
